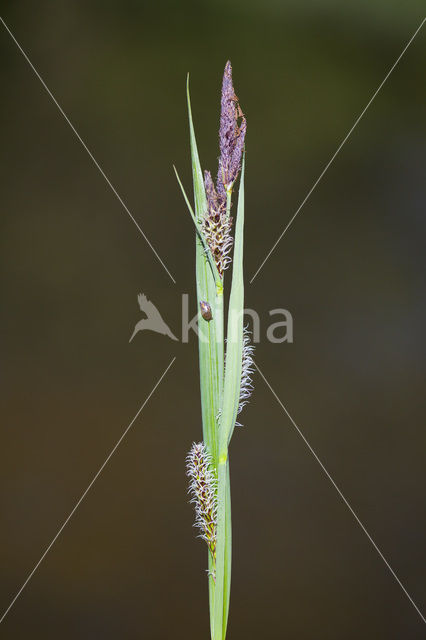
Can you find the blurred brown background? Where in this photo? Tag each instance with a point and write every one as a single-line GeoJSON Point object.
{"type": "Point", "coordinates": [351, 271]}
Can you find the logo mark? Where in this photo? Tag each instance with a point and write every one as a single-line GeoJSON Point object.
{"type": "Point", "coordinates": [277, 332]}
{"type": "Point", "coordinates": [153, 320]}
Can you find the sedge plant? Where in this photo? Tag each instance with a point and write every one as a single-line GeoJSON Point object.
{"type": "Point", "coordinates": [225, 362]}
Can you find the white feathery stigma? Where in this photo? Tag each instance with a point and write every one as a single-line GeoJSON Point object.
{"type": "Point", "coordinates": [247, 369]}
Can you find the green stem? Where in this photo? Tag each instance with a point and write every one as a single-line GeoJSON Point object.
{"type": "Point", "coordinates": [228, 553]}
{"type": "Point", "coordinates": [219, 622]}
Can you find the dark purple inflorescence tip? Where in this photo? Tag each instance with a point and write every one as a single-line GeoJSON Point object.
{"type": "Point", "coordinates": [231, 135]}
{"type": "Point", "coordinates": [217, 223]}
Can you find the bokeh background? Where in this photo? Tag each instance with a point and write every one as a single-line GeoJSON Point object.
{"type": "Point", "coordinates": [351, 271]}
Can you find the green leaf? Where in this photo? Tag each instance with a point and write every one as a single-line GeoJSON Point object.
{"type": "Point", "coordinates": [197, 174]}
{"type": "Point", "coordinates": [234, 344]}
{"type": "Point", "coordinates": [231, 396]}
{"type": "Point", "coordinates": [200, 235]}
{"type": "Point", "coordinates": [211, 335]}
{"type": "Point", "coordinates": [211, 291]}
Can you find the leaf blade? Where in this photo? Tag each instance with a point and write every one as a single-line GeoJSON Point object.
{"type": "Point", "coordinates": [200, 234]}
{"type": "Point", "coordinates": [229, 409]}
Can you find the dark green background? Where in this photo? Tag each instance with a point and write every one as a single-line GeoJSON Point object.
{"type": "Point", "coordinates": [351, 271]}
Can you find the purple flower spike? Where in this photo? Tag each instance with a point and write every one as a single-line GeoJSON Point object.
{"type": "Point", "coordinates": [231, 135]}
{"type": "Point", "coordinates": [212, 201]}
{"type": "Point", "coordinates": [217, 223]}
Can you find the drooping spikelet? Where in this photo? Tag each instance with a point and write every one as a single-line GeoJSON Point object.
{"type": "Point", "coordinates": [247, 369]}
{"type": "Point", "coordinates": [203, 489]}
